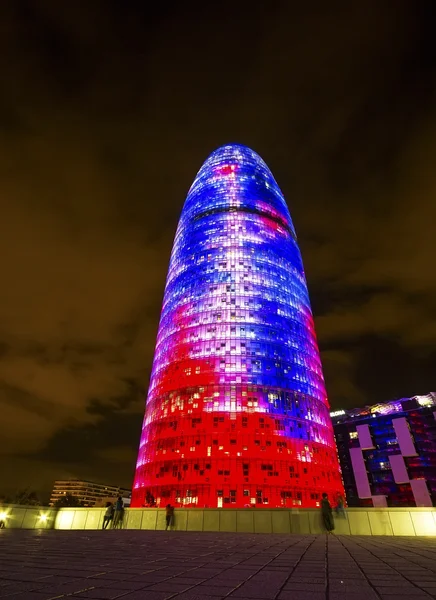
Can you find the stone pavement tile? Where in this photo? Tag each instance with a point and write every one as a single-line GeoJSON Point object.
{"type": "Point", "coordinates": [114, 576]}
{"type": "Point", "coordinates": [250, 590]}
{"type": "Point", "coordinates": [58, 580]}
{"type": "Point", "coordinates": [8, 566]}
{"type": "Point", "coordinates": [192, 595]}
{"type": "Point", "coordinates": [354, 593]}
{"type": "Point", "coordinates": [379, 568]}
{"type": "Point", "coordinates": [297, 579]}
{"type": "Point", "coordinates": [22, 576]}
{"type": "Point", "coordinates": [222, 580]}
{"type": "Point", "coordinates": [149, 578]}
{"type": "Point", "coordinates": [292, 586]}
{"type": "Point", "coordinates": [68, 588]}
{"type": "Point", "coordinates": [32, 596]}
{"type": "Point", "coordinates": [41, 572]}
{"type": "Point", "coordinates": [209, 590]}
{"type": "Point", "coordinates": [354, 571]}
{"type": "Point", "coordinates": [171, 571]}
{"type": "Point", "coordinates": [405, 590]}
{"type": "Point", "coordinates": [204, 573]}
{"type": "Point", "coordinates": [272, 580]}
{"type": "Point", "coordinates": [302, 596]}
{"type": "Point", "coordinates": [235, 574]}
{"type": "Point", "coordinates": [4, 585]}
{"type": "Point", "coordinates": [169, 586]}
{"type": "Point", "coordinates": [150, 569]}
{"type": "Point", "coordinates": [148, 596]}
{"type": "Point", "coordinates": [425, 574]}
{"type": "Point", "coordinates": [77, 573]}
{"type": "Point", "coordinates": [93, 581]}
{"type": "Point", "coordinates": [100, 593]}
{"type": "Point", "coordinates": [187, 580]}
{"type": "Point", "coordinates": [409, 597]}
{"type": "Point", "coordinates": [397, 581]}
{"type": "Point", "coordinates": [285, 559]}
{"type": "Point", "coordinates": [124, 585]}
{"type": "Point", "coordinates": [17, 587]}
{"type": "Point", "coordinates": [312, 573]}
{"type": "Point", "coordinates": [338, 585]}
{"type": "Point", "coordinates": [381, 576]}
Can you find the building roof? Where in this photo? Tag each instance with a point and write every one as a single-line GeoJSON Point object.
{"type": "Point", "coordinates": [385, 408]}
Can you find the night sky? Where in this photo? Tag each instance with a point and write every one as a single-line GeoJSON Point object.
{"type": "Point", "coordinates": [107, 111]}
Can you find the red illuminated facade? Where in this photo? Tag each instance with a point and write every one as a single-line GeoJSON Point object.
{"type": "Point", "coordinates": [237, 414]}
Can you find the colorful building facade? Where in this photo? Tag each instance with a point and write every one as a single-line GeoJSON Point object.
{"type": "Point", "coordinates": [237, 413]}
{"type": "Point", "coordinates": [388, 452]}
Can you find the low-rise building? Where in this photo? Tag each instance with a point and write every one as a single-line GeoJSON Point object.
{"type": "Point", "coordinates": [88, 492]}
{"type": "Point", "coordinates": [387, 452]}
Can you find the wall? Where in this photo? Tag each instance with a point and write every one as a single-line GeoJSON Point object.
{"type": "Point", "coordinates": [388, 457]}
{"type": "Point", "coordinates": [359, 521]}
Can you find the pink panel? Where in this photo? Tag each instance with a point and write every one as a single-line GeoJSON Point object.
{"type": "Point", "coordinates": [420, 492]}
{"type": "Point", "coordinates": [404, 438]}
{"type": "Point", "coordinates": [399, 468]}
{"type": "Point", "coordinates": [379, 501]}
{"type": "Point", "coordinates": [365, 439]}
{"type": "Point", "coordinates": [360, 474]}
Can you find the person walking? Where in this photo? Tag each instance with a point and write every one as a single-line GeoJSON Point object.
{"type": "Point", "coordinates": [169, 514]}
{"type": "Point", "coordinates": [119, 513]}
{"type": "Point", "coordinates": [108, 515]}
{"type": "Point", "coordinates": [327, 513]}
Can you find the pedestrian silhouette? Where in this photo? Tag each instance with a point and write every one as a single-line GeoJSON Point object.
{"type": "Point", "coordinates": [327, 513]}
{"type": "Point", "coordinates": [108, 515]}
{"type": "Point", "coordinates": [169, 514]}
{"type": "Point", "coordinates": [118, 514]}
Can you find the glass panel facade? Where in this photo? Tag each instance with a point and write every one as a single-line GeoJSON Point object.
{"type": "Point", "coordinates": [236, 411]}
{"type": "Point", "coordinates": [386, 452]}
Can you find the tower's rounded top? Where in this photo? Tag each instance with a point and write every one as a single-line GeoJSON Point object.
{"type": "Point", "coordinates": [236, 152]}
{"type": "Point", "coordinates": [233, 178]}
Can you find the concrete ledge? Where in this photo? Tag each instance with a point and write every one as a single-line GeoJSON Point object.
{"type": "Point", "coordinates": [358, 521]}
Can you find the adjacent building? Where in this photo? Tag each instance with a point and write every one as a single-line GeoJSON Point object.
{"type": "Point", "coordinates": [237, 412]}
{"type": "Point", "coordinates": [88, 492]}
{"type": "Point", "coordinates": [388, 452]}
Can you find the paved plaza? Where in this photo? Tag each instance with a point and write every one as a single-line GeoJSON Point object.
{"type": "Point", "coordinates": [159, 565]}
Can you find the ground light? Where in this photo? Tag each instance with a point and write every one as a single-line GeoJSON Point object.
{"type": "Point", "coordinates": [3, 517]}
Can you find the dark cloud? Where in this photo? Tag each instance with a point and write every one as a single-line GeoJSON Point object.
{"type": "Point", "coordinates": [107, 112]}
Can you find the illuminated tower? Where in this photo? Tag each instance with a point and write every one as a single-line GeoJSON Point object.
{"type": "Point", "coordinates": [237, 412]}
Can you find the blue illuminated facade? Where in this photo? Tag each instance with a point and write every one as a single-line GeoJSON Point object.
{"type": "Point", "coordinates": [237, 412]}
{"type": "Point", "coordinates": [388, 452]}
